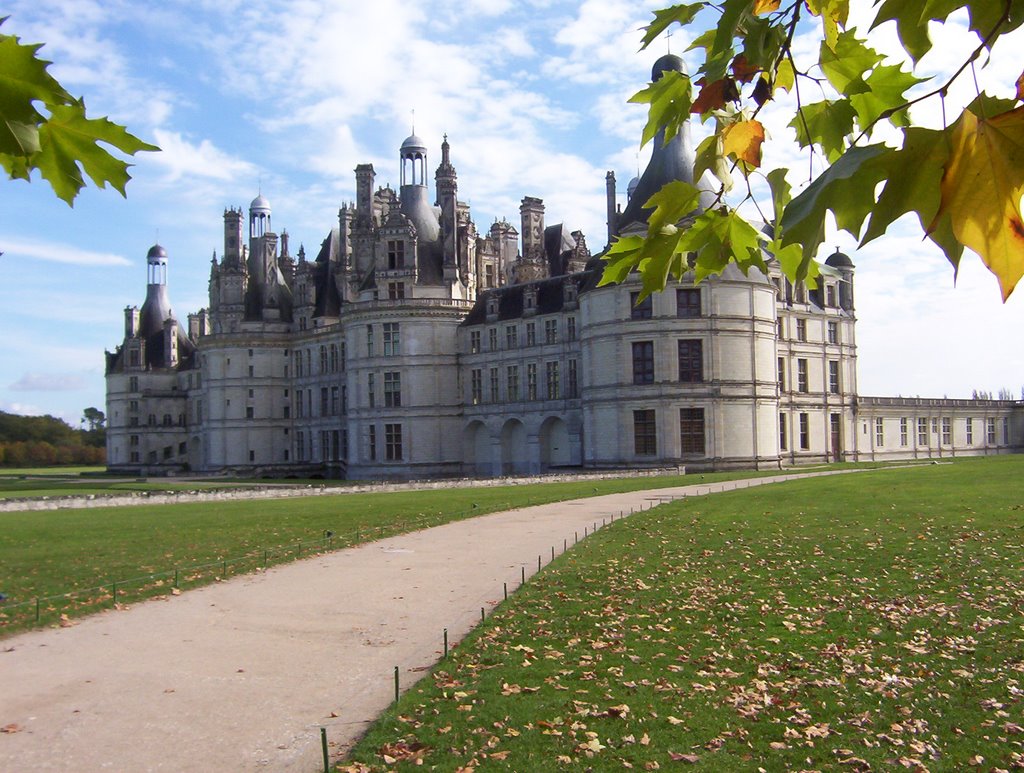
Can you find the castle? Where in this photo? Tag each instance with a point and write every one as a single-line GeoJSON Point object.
{"type": "Point", "coordinates": [414, 346]}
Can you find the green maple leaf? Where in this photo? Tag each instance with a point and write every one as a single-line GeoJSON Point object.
{"type": "Point", "coordinates": [68, 146]}
{"type": "Point", "coordinates": [847, 188]}
{"type": "Point", "coordinates": [719, 236]}
{"type": "Point", "coordinates": [886, 86]}
{"type": "Point", "coordinates": [671, 204]}
{"type": "Point", "coordinates": [911, 28]}
{"type": "Point", "coordinates": [845, 63]}
{"type": "Point", "coordinates": [912, 180]}
{"type": "Point", "coordinates": [781, 191]}
{"type": "Point", "coordinates": [670, 98]}
{"type": "Point", "coordinates": [827, 124]}
{"type": "Point", "coordinates": [709, 158]}
{"type": "Point", "coordinates": [665, 18]}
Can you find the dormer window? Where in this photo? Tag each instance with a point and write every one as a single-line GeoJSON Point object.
{"type": "Point", "coordinates": [530, 300]}
{"type": "Point", "coordinates": [492, 306]}
{"type": "Point", "coordinates": [396, 255]}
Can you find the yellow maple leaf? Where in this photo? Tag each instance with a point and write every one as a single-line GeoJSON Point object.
{"type": "Point", "coordinates": [743, 141]}
{"type": "Point", "coordinates": [982, 188]}
{"type": "Point", "coordinates": [766, 6]}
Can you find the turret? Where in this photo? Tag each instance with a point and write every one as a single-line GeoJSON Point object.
{"type": "Point", "coordinates": [447, 200]}
{"type": "Point", "coordinates": [670, 161]}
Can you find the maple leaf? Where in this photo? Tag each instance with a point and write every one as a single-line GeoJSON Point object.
{"type": "Point", "coordinates": [743, 141]}
{"type": "Point", "coordinates": [765, 6]}
{"type": "Point", "coordinates": [714, 95]}
{"type": "Point", "coordinates": [1020, 87]}
{"type": "Point", "coordinates": [670, 99]}
{"type": "Point", "coordinates": [982, 189]}
{"type": "Point", "coordinates": [742, 70]}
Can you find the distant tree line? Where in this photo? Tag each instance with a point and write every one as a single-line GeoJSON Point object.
{"type": "Point", "coordinates": [1003, 394]}
{"type": "Point", "coordinates": [41, 441]}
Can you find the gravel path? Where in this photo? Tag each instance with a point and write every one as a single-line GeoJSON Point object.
{"type": "Point", "coordinates": [240, 676]}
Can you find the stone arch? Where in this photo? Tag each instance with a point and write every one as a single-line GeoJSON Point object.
{"type": "Point", "coordinates": [513, 448]}
{"type": "Point", "coordinates": [476, 449]}
{"type": "Point", "coordinates": [554, 443]}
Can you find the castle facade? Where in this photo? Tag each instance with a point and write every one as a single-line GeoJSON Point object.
{"type": "Point", "coordinates": [413, 345]}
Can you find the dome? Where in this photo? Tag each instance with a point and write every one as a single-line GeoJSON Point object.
{"type": "Point", "coordinates": [260, 202]}
{"type": "Point", "coordinates": [156, 251]}
{"type": "Point", "coordinates": [631, 188]}
{"type": "Point", "coordinates": [839, 260]}
{"type": "Point", "coordinates": [412, 142]}
{"type": "Point", "coordinates": [666, 63]}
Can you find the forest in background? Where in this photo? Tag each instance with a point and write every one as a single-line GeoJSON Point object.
{"type": "Point", "coordinates": [46, 440]}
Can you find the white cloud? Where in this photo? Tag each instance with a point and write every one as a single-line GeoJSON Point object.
{"type": "Point", "coordinates": [58, 253]}
{"type": "Point", "coordinates": [181, 158]}
{"type": "Point", "coordinates": [48, 382]}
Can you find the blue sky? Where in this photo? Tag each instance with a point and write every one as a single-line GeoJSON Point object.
{"type": "Point", "coordinates": [287, 97]}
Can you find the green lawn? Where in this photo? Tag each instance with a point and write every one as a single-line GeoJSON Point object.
{"type": "Point", "coordinates": [83, 552]}
{"type": "Point", "coordinates": [864, 622]}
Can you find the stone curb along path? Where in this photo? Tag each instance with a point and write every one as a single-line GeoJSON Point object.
{"type": "Point", "coordinates": [241, 676]}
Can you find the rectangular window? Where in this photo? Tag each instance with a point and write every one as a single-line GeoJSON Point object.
{"type": "Point", "coordinates": [371, 443]}
{"type": "Point", "coordinates": [393, 442]}
{"type": "Point", "coordinates": [879, 432]}
{"type": "Point", "coordinates": [371, 390]}
{"type": "Point", "coordinates": [801, 375]}
{"type": "Point", "coordinates": [904, 431]}
{"type": "Point", "coordinates": [970, 431]}
{"type": "Point", "coordinates": [476, 386]}
{"type": "Point", "coordinates": [396, 291]}
{"type": "Point", "coordinates": [801, 330]}
{"type": "Point", "coordinates": [511, 337]}
{"type": "Point", "coordinates": [531, 381]}
{"type": "Point", "coordinates": [300, 446]}
{"type": "Point", "coordinates": [572, 384]}
{"type": "Point", "coordinates": [780, 366]}
{"type": "Point", "coordinates": [344, 399]}
{"type": "Point", "coordinates": [323, 359]}
{"type": "Point", "coordinates": [640, 309]}
{"type": "Point", "coordinates": [492, 339]}
{"type": "Point", "coordinates": [551, 374]}
{"type": "Point", "coordinates": [325, 405]}
{"type": "Point", "coordinates": [830, 296]}
{"type": "Point", "coordinates": [551, 331]}
{"type": "Point", "coordinates": [298, 364]}
{"type": "Point", "coordinates": [783, 440]}
{"type": "Point", "coordinates": [691, 431]}
{"type": "Point", "coordinates": [392, 389]}
{"type": "Point", "coordinates": [922, 432]}
{"type": "Point", "coordinates": [474, 341]}
{"type": "Point", "coordinates": [947, 431]}
{"type": "Point", "coordinates": [570, 328]}
{"type": "Point", "coordinates": [805, 431]}
{"type": "Point", "coordinates": [990, 431]}
{"type": "Point", "coordinates": [935, 426]}
{"type": "Point", "coordinates": [495, 394]}
{"type": "Point", "coordinates": [512, 382]}
{"type": "Point", "coordinates": [396, 255]}
{"type": "Point", "coordinates": [335, 400]}
{"type": "Point", "coordinates": [391, 339]}
{"type": "Point", "coordinates": [252, 372]}
{"type": "Point", "coordinates": [643, 362]}
{"type": "Point", "coordinates": [1006, 431]}
{"type": "Point", "coordinates": [833, 332]}
{"type": "Point", "coordinates": [833, 376]}
{"type": "Point", "coordinates": [369, 340]}
{"type": "Point", "coordinates": [688, 303]}
{"type": "Point", "coordinates": [298, 404]}
{"type": "Point", "coordinates": [645, 433]}
{"type": "Point", "coordinates": [334, 359]}
{"type": "Point", "coordinates": [531, 334]}
{"type": "Point", "coordinates": [691, 361]}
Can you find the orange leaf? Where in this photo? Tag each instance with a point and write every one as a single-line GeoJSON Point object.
{"type": "Point", "coordinates": [714, 95]}
{"type": "Point", "coordinates": [743, 141]}
{"type": "Point", "coordinates": [743, 70]}
{"type": "Point", "coordinates": [766, 6]}
{"type": "Point", "coordinates": [982, 188]}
